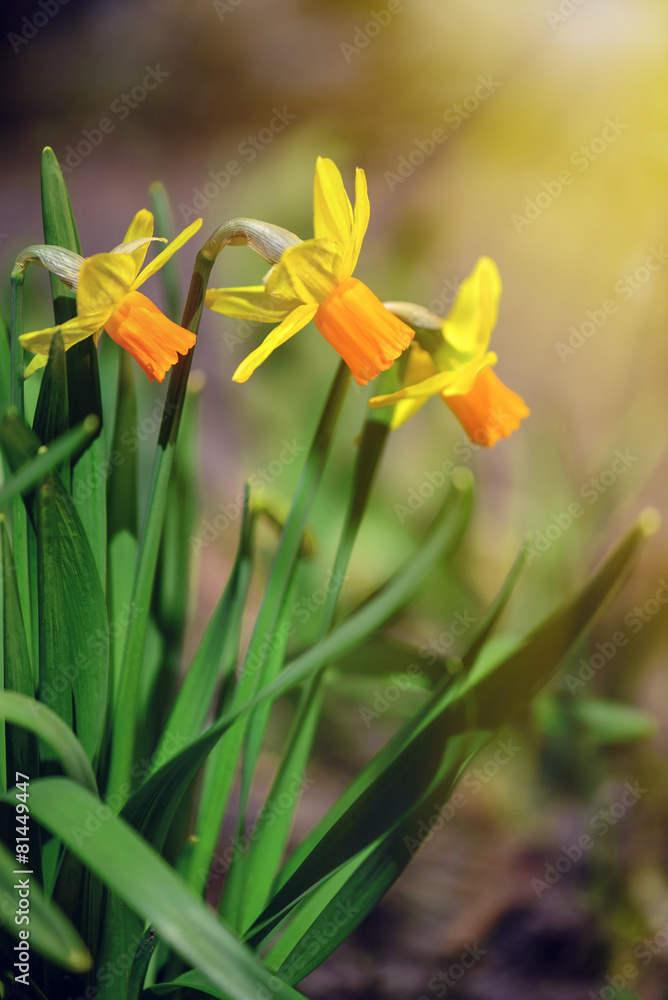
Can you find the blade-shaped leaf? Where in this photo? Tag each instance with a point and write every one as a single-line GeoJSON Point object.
{"type": "Point", "coordinates": [73, 629]}
{"type": "Point", "coordinates": [252, 873]}
{"type": "Point", "coordinates": [195, 696]}
{"type": "Point", "coordinates": [152, 807]}
{"type": "Point", "coordinates": [484, 698]}
{"type": "Point", "coordinates": [21, 746]}
{"type": "Point", "coordinates": [52, 410]}
{"type": "Point", "coordinates": [139, 876]}
{"type": "Point", "coordinates": [83, 381]}
{"type": "Point", "coordinates": [40, 720]}
{"type": "Point", "coordinates": [51, 934]}
{"type": "Point", "coordinates": [29, 474]}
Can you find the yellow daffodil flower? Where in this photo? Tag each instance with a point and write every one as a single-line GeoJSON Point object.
{"type": "Point", "coordinates": [313, 280]}
{"type": "Point", "coordinates": [449, 358]}
{"type": "Point", "coordinates": [107, 299]}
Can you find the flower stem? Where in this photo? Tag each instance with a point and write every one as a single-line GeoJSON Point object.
{"type": "Point", "coordinates": [125, 708]}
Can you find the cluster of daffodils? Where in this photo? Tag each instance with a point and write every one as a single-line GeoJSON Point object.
{"type": "Point", "coordinates": [308, 280]}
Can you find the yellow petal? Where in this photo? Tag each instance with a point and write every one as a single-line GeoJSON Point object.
{"type": "Point", "coordinates": [39, 361]}
{"type": "Point", "coordinates": [73, 330]}
{"type": "Point", "coordinates": [332, 211]}
{"type": "Point", "coordinates": [297, 319]}
{"type": "Point", "coordinates": [466, 376]}
{"type": "Point", "coordinates": [404, 410]}
{"type": "Point", "coordinates": [104, 280]}
{"type": "Point", "coordinates": [168, 252]}
{"type": "Point", "coordinates": [141, 227]}
{"type": "Point", "coordinates": [307, 272]}
{"type": "Point", "coordinates": [360, 223]}
{"type": "Point", "coordinates": [443, 383]}
{"type": "Point", "coordinates": [473, 316]}
{"type": "Point", "coordinates": [419, 366]}
{"type": "Point", "coordinates": [253, 303]}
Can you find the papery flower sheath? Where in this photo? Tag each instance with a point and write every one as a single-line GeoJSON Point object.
{"type": "Point", "coordinates": [107, 299]}
{"type": "Point", "coordinates": [449, 358]}
{"type": "Point", "coordinates": [312, 280]}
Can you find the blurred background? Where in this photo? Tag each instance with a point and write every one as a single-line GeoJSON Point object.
{"type": "Point", "coordinates": [533, 131]}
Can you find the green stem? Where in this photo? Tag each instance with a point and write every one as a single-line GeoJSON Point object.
{"type": "Point", "coordinates": [258, 866]}
{"type": "Point", "coordinates": [124, 720]}
{"type": "Point", "coordinates": [164, 224]}
{"type": "Point", "coordinates": [19, 513]}
{"type": "Point", "coordinates": [263, 240]}
{"type": "Point", "coordinates": [16, 347]}
{"type": "Point", "coordinates": [291, 539]}
{"type": "Point", "coordinates": [254, 672]}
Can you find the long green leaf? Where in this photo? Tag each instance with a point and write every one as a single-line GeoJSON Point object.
{"type": "Point", "coordinates": [21, 746]}
{"type": "Point", "coordinates": [29, 474]}
{"type": "Point", "coordinates": [213, 664]}
{"type": "Point", "coordinates": [497, 691]}
{"type": "Point", "coordinates": [172, 596]}
{"type": "Point", "coordinates": [50, 933]}
{"type": "Point", "coordinates": [192, 980]}
{"type": "Point", "coordinates": [195, 696]}
{"type": "Point", "coordinates": [83, 380]}
{"type": "Point", "coordinates": [164, 227]}
{"type": "Point", "coordinates": [122, 935]}
{"type": "Point", "coordinates": [122, 504]}
{"type": "Point", "coordinates": [74, 657]}
{"type": "Point", "coordinates": [353, 890]}
{"type": "Point", "coordinates": [52, 410]}
{"type": "Point", "coordinates": [151, 808]}
{"type": "Point", "coordinates": [20, 544]}
{"type": "Point", "coordinates": [133, 870]}
{"type": "Point", "coordinates": [125, 709]}
{"type": "Point", "coordinates": [264, 659]}
{"type": "Point", "coordinates": [252, 874]}
{"type": "Point", "coordinates": [40, 720]}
